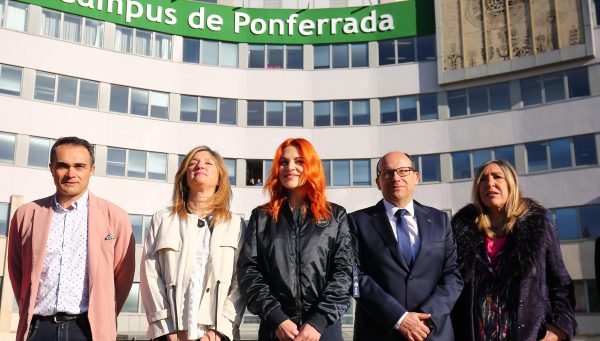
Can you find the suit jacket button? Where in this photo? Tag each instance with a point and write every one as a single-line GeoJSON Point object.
{"type": "Point", "coordinates": [521, 304]}
{"type": "Point", "coordinates": [410, 278]}
{"type": "Point", "coordinates": [207, 289]}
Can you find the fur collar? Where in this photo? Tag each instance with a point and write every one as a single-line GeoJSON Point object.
{"type": "Point", "coordinates": [523, 246]}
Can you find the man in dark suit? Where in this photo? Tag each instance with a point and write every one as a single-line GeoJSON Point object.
{"type": "Point", "coordinates": [407, 274]}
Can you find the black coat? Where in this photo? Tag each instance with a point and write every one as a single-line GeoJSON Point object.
{"type": "Point", "coordinates": [533, 251]}
{"type": "Point", "coordinates": [297, 269]}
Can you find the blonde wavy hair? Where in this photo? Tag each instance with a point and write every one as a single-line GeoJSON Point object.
{"type": "Point", "coordinates": [515, 207]}
{"type": "Point", "coordinates": [219, 203]}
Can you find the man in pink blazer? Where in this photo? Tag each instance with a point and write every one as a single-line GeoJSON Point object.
{"type": "Point", "coordinates": [71, 256]}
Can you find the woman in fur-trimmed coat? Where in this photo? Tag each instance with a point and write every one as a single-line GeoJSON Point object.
{"type": "Point", "coordinates": [516, 286]}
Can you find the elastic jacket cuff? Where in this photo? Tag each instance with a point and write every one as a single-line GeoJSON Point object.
{"type": "Point", "coordinates": [276, 317]}
{"type": "Point", "coordinates": [318, 321]}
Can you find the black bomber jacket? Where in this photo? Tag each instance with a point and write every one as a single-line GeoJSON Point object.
{"type": "Point", "coordinates": [296, 268]}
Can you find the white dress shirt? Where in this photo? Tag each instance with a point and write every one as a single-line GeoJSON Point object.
{"type": "Point", "coordinates": [411, 221]}
{"type": "Point", "coordinates": [64, 279]}
{"type": "Point", "coordinates": [413, 231]}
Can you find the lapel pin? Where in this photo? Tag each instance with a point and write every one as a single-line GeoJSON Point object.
{"type": "Point", "coordinates": [110, 237]}
{"type": "Point", "coordinates": [429, 220]}
{"type": "Point", "coordinates": [322, 222]}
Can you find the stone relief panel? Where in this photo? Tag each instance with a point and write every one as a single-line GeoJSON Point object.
{"type": "Point", "coordinates": [478, 32]}
{"type": "Point", "coordinates": [474, 42]}
{"type": "Point", "coordinates": [544, 25]}
{"type": "Point", "coordinates": [496, 33]}
{"type": "Point", "coordinates": [451, 35]}
{"type": "Point", "coordinates": [520, 28]}
{"type": "Point", "coordinates": [570, 23]}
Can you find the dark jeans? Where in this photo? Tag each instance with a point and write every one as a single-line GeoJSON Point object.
{"type": "Point", "coordinates": [47, 330]}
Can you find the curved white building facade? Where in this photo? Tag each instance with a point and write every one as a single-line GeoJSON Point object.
{"type": "Point", "coordinates": [145, 98]}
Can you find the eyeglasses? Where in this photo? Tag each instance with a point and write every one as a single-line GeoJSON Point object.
{"type": "Point", "coordinates": [389, 173]}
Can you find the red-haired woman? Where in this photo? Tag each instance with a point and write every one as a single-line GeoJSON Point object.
{"type": "Point", "coordinates": [295, 265]}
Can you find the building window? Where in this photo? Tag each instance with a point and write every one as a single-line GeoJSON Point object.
{"type": "Point", "coordinates": [566, 222]}
{"type": "Point", "coordinates": [140, 225]}
{"type": "Point", "coordinates": [586, 296]}
{"type": "Point", "coordinates": [275, 113]}
{"type": "Point", "coordinates": [387, 52]}
{"type": "Point", "coordinates": [7, 148]}
{"type": "Point", "coordinates": [561, 153]}
{"type": "Point", "coordinates": [321, 56]}
{"type": "Point", "coordinates": [555, 86]}
{"type": "Point", "coordinates": [294, 57]}
{"type": "Point", "coordinates": [597, 11]}
{"type": "Point", "coordinates": [407, 50]}
{"type": "Point", "coordinates": [341, 55]}
{"type": "Point", "coordinates": [10, 80]}
{"type": "Point", "coordinates": [342, 113]}
{"type": "Point", "coordinates": [426, 48]}
{"type": "Point", "coordinates": [231, 170]}
{"type": "Point", "coordinates": [66, 90]}
{"type": "Point", "coordinates": [4, 219]}
{"type": "Point", "coordinates": [465, 164]}
{"type": "Point", "coordinates": [360, 54]}
{"type": "Point", "coordinates": [39, 152]}
{"type": "Point", "coordinates": [16, 16]}
{"type": "Point", "coordinates": [340, 170]}
{"type": "Point", "coordinates": [578, 82]}
{"type": "Point", "coordinates": [428, 167]}
{"type": "Point", "coordinates": [254, 172]}
{"type": "Point", "coordinates": [133, 299]}
{"type": "Point", "coordinates": [210, 52]}
{"type": "Point", "coordinates": [408, 108]}
{"type": "Point", "coordinates": [480, 99]}
{"type": "Point", "coordinates": [276, 56]}
{"type": "Point", "coordinates": [72, 28]}
{"type": "Point", "coordinates": [361, 112]}
{"type": "Point", "coordinates": [208, 110]}
{"type": "Point", "coordinates": [139, 102]}
{"type": "Point", "coordinates": [347, 172]}
{"type": "Point", "coordinates": [144, 43]}
{"type": "Point", "coordinates": [136, 164]}
{"type": "Point", "coordinates": [581, 222]}
{"type": "Point", "coordinates": [361, 172]}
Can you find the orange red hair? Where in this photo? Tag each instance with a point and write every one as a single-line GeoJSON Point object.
{"type": "Point", "coordinates": [312, 180]}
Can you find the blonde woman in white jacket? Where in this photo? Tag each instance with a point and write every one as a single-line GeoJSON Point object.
{"type": "Point", "coordinates": [187, 276]}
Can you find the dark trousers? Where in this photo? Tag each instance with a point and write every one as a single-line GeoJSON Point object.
{"type": "Point", "coordinates": [46, 329]}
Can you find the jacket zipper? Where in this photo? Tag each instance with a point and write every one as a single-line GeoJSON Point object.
{"type": "Point", "coordinates": [298, 271]}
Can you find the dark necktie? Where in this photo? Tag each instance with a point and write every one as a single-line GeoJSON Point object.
{"type": "Point", "coordinates": [403, 236]}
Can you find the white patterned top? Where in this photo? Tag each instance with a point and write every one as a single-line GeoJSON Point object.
{"type": "Point", "coordinates": [198, 282]}
{"type": "Point", "coordinates": [64, 280]}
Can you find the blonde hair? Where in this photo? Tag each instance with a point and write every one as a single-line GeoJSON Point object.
{"type": "Point", "coordinates": [515, 207]}
{"type": "Point", "coordinates": [219, 203]}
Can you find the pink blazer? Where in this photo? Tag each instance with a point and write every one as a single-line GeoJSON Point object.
{"type": "Point", "coordinates": [111, 261]}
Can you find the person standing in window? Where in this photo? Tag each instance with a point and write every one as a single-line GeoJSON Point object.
{"type": "Point", "coordinates": [516, 284]}
{"type": "Point", "coordinates": [71, 256]}
{"type": "Point", "coordinates": [187, 277]}
{"type": "Point", "coordinates": [295, 265]}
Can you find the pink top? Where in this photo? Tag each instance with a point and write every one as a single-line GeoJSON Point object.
{"type": "Point", "coordinates": [493, 247]}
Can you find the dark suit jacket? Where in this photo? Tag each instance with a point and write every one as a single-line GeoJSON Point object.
{"type": "Point", "coordinates": [389, 288]}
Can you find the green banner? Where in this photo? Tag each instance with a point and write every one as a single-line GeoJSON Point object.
{"type": "Point", "coordinates": [259, 25]}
